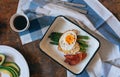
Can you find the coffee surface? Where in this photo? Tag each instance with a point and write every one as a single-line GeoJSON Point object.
{"type": "Point", "coordinates": [20, 22]}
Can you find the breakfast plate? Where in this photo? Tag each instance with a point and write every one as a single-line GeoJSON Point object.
{"type": "Point", "coordinates": [14, 56]}
{"type": "Point", "coordinates": [64, 25]}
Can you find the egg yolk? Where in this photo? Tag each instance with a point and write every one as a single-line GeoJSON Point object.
{"type": "Point", "coordinates": [70, 39]}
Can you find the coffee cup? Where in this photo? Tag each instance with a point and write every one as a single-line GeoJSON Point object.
{"type": "Point", "coordinates": [19, 22]}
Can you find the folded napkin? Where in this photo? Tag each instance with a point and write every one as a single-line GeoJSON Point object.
{"type": "Point", "coordinates": [99, 21]}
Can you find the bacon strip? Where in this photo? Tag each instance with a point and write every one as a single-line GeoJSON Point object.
{"type": "Point", "coordinates": [75, 59]}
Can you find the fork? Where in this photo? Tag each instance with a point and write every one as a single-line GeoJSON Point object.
{"type": "Point", "coordinates": [72, 6]}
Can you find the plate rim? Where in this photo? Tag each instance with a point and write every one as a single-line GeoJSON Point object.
{"type": "Point", "coordinates": [17, 52]}
{"type": "Point", "coordinates": [80, 28]}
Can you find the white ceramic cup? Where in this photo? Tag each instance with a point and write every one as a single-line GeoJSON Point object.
{"type": "Point", "coordinates": [19, 22]}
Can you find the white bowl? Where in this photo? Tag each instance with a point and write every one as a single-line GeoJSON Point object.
{"type": "Point", "coordinates": [14, 56]}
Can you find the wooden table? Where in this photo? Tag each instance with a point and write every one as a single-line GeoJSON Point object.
{"type": "Point", "coordinates": [40, 65]}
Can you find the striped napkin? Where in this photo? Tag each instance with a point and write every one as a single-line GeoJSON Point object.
{"type": "Point", "coordinates": [99, 21]}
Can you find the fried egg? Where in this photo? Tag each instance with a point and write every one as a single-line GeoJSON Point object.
{"type": "Point", "coordinates": [67, 41]}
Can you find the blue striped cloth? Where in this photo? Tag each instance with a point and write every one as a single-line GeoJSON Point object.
{"type": "Point", "coordinates": [98, 19]}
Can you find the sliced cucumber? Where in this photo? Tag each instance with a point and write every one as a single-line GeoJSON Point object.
{"type": "Point", "coordinates": [2, 58]}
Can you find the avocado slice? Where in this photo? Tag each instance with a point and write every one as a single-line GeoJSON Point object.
{"type": "Point", "coordinates": [14, 71]}
{"type": "Point", "coordinates": [7, 71]}
{"type": "Point", "coordinates": [13, 65]}
{"type": "Point", "coordinates": [2, 58]}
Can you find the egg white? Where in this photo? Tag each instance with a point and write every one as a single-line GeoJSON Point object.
{"type": "Point", "coordinates": [64, 45]}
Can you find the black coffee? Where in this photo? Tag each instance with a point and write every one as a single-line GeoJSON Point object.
{"type": "Point", "coordinates": [20, 22]}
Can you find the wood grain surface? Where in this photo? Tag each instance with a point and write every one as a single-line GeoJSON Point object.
{"type": "Point", "coordinates": [40, 65]}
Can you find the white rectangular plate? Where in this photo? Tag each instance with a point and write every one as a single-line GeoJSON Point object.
{"type": "Point", "coordinates": [62, 24]}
